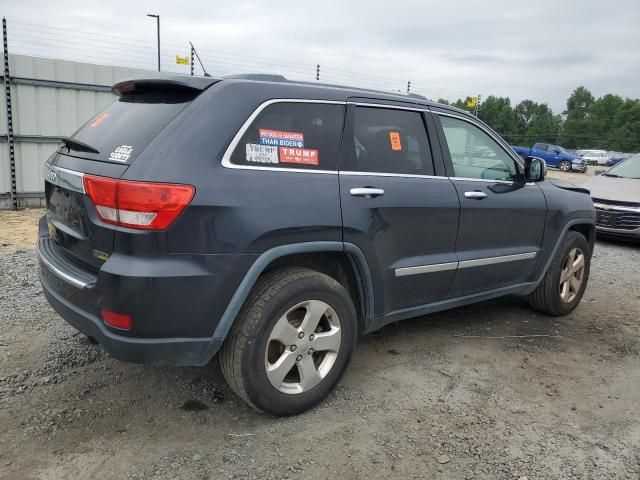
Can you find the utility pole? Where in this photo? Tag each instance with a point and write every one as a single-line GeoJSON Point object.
{"type": "Point", "coordinates": [318, 72]}
{"type": "Point", "coordinates": [195, 52]}
{"type": "Point", "coordinates": [408, 87]}
{"type": "Point", "coordinates": [475, 112]}
{"type": "Point", "coordinates": [7, 96]}
{"type": "Point", "coordinates": [191, 61]}
{"type": "Point", "coordinates": [157, 17]}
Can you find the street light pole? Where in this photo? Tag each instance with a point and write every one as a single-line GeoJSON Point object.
{"type": "Point", "coordinates": [157, 17]}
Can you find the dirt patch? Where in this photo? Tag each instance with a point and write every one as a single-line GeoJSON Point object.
{"type": "Point", "coordinates": [19, 229]}
{"type": "Point", "coordinates": [573, 177]}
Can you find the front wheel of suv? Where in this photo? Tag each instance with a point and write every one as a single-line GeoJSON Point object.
{"type": "Point", "coordinates": [563, 285]}
{"type": "Point", "coordinates": [291, 342]}
{"type": "Point", "coordinates": [565, 166]}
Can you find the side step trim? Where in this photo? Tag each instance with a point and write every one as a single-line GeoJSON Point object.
{"type": "Point", "coordinates": [478, 262]}
{"type": "Point", "coordinates": [436, 267]}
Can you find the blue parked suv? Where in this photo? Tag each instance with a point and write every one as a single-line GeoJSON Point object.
{"type": "Point", "coordinates": [271, 222]}
{"type": "Point", "coordinates": [554, 155]}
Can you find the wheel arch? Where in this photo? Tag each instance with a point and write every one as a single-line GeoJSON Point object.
{"type": "Point", "coordinates": [588, 230]}
{"type": "Point", "coordinates": [342, 261]}
{"type": "Point", "coordinates": [582, 225]}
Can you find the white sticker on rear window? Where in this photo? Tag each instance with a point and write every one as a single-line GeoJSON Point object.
{"type": "Point", "coordinates": [121, 154]}
{"type": "Point", "coordinates": [261, 153]}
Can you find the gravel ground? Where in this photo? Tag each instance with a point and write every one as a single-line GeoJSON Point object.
{"type": "Point", "coordinates": [492, 391]}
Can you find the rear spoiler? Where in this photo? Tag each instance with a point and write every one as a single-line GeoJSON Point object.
{"type": "Point", "coordinates": [139, 85]}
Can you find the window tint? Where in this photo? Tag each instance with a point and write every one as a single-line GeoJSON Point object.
{"type": "Point", "coordinates": [122, 130]}
{"type": "Point", "coordinates": [475, 154]}
{"type": "Point", "coordinates": [390, 141]}
{"type": "Point", "coordinates": [293, 135]}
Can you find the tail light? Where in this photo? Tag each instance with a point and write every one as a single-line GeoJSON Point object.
{"type": "Point", "coordinates": [141, 205]}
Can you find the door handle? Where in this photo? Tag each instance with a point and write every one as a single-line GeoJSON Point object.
{"type": "Point", "coordinates": [367, 192]}
{"type": "Point", "coordinates": [477, 195]}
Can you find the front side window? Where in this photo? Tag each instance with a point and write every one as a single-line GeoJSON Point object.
{"type": "Point", "coordinates": [390, 141]}
{"type": "Point", "coordinates": [475, 154]}
{"type": "Point", "coordinates": [557, 149]}
{"type": "Point", "coordinates": [293, 135]}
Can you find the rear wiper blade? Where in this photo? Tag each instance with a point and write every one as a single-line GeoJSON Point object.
{"type": "Point", "coordinates": [77, 145]}
{"type": "Point", "coordinates": [611, 175]}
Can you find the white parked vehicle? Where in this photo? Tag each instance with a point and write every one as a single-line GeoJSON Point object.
{"type": "Point", "coordinates": [594, 157]}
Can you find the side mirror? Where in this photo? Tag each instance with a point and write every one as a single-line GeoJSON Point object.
{"type": "Point", "coordinates": [535, 169]}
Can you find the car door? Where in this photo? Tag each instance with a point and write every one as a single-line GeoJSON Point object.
{"type": "Point", "coordinates": [554, 156]}
{"type": "Point", "coordinates": [501, 218]}
{"type": "Point", "coordinates": [396, 208]}
{"type": "Point", "coordinates": [543, 151]}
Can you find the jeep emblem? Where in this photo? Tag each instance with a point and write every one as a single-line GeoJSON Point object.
{"type": "Point", "coordinates": [51, 176]}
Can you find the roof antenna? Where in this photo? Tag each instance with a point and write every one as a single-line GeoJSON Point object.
{"type": "Point", "coordinates": [193, 49]}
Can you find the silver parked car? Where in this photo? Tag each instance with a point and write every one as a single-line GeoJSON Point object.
{"type": "Point", "coordinates": [616, 197]}
{"type": "Point", "coordinates": [594, 157]}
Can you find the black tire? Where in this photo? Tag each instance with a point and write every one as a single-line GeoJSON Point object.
{"type": "Point", "coordinates": [565, 166]}
{"type": "Point", "coordinates": [546, 297]}
{"type": "Point", "coordinates": [242, 356]}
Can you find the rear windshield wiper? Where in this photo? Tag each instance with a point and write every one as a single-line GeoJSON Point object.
{"type": "Point", "coordinates": [77, 145]}
{"type": "Point", "coordinates": [611, 175]}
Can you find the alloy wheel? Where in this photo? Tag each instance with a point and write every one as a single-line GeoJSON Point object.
{"type": "Point", "coordinates": [572, 275]}
{"type": "Point", "coordinates": [303, 347]}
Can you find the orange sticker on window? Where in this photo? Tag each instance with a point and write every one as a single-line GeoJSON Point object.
{"type": "Point", "coordinates": [396, 144]}
{"type": "Point", "coordinates": [99, 120]}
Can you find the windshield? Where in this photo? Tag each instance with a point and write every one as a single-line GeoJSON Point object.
{"type": "Point", "coordinates": [629, 168]}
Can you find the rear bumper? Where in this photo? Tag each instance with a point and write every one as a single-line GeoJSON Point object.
{"type": "Point", "coordinates": [176, 301]}
{"type": "Point", "coordinates": [167, 351]}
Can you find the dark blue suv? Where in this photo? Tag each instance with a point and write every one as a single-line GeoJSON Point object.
{"type": "Point", "coordinates": [274, 221]}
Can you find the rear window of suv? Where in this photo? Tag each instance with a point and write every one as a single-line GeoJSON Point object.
{"type": "Point", "coordinates": [293, 135]}
{"type": "Point", "coordinates": [122, 130]}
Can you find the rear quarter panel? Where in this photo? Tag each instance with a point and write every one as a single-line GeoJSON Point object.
{"type": "Point", "coordinates": [235, 211]}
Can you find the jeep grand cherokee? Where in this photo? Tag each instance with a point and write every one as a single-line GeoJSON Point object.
{"type": "Point", "coordinates": [271, 222]}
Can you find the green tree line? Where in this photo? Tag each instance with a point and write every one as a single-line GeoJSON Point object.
{"type": "Point", "coordinates": [609, 122]}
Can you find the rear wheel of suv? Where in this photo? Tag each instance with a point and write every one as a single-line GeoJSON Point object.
{"type": "Point", "coordinates": [291, 342]}
{"type": "Point", "coordinates": [565, 166]}
{"type": "Point", "coordinates": [564, 283]}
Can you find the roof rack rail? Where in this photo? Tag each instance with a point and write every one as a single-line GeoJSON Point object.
{"type": "Point", "coordinates": [264, 77]}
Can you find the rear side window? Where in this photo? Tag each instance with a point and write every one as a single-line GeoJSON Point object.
{"type": "Point", "coordinates": [293, 135]}
{"type": "Point", "coordinates": [122, 130]}
{"type": "Point", "coordinates": [390, 141]}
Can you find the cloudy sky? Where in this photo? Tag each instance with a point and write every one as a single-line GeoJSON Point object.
{"type": "Point", "coordinates": [522, 49]}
